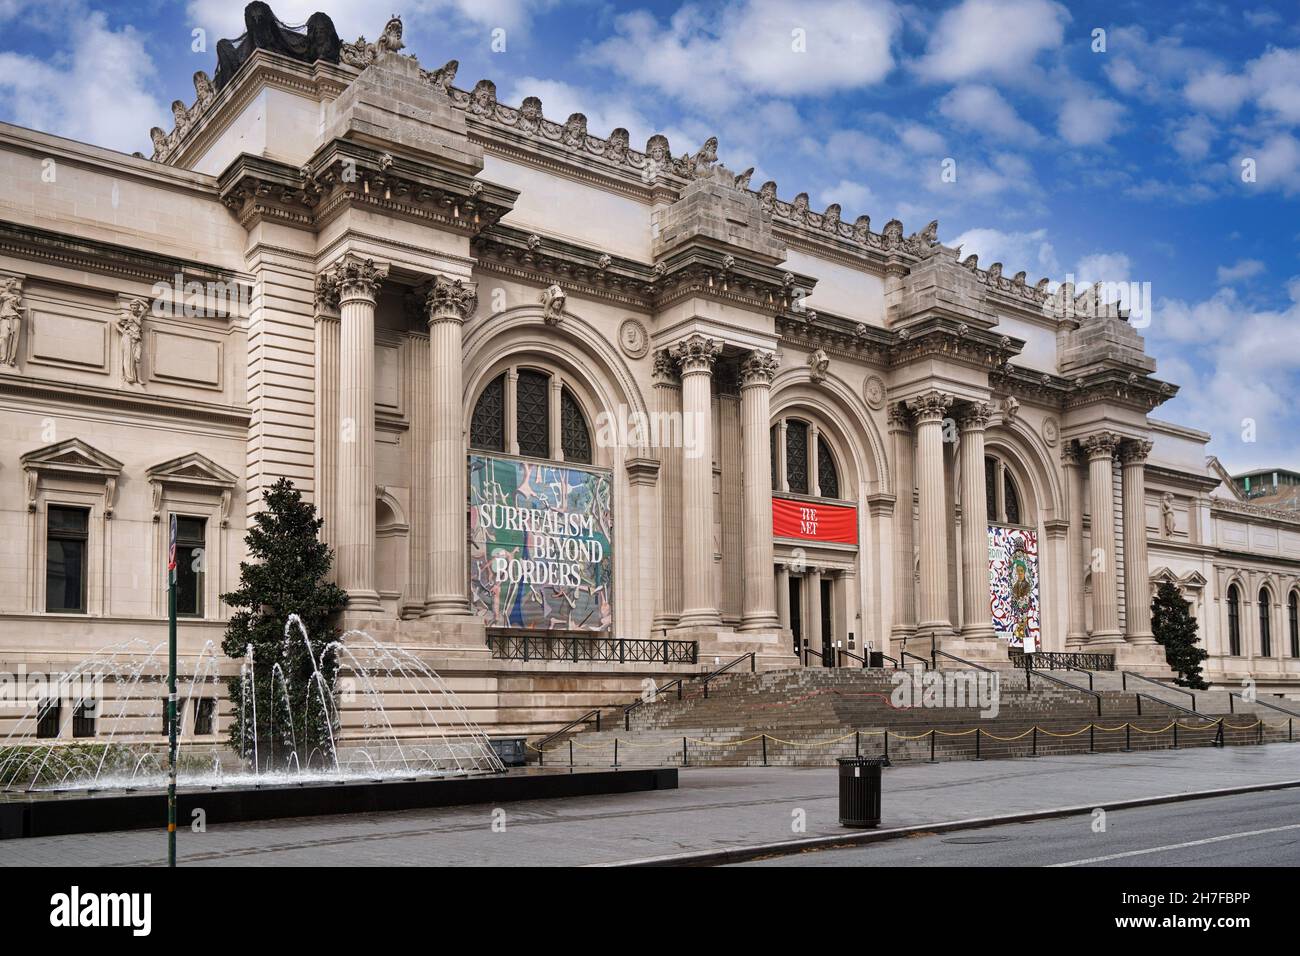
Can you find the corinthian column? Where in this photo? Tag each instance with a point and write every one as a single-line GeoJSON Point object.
{"type": "Point", "coordinates": [929, 410]}
{"type": "Point", "coordinates": [695, 357]}
{"type": "Point", "coordinates": [1075, 637]}
{"type": "Point", "coordinates": [904, 558]}
{"type": "Point", "coordinates": [756, 374]}
{"type": "Point", "coordinates": [450, 302]}
{"type": "Point", "coordinates": [977, 615]}
{"type": "Point", "coordinates": [358, 282]}
{"type": "Point", "coordinates": [1100, 449]}
{"type": "Point", "coordinates": [1133, 455]}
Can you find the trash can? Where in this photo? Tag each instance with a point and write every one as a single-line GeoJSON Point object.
{"type": "Point", "coordinates": [509, 750]}
{"type": "Point", "coordinates": [877, 659]}
{"type": "Point", "coordinates": [860, 791]}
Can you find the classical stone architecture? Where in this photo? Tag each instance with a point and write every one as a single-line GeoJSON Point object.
{"type": "Point", "coordinates": [549, 390]}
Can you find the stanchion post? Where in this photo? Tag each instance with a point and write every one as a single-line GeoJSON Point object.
{"type": "Point", "coordinates": [978, 735]}
{"type": "Point", "coordinates": [1175, 733]}
{"type": "Point", "coordinates": [570, 754]}
{"type": "Point", "coordinates": [1034, 752]}
{"type": "Point", "coordinates": [763, 738]}
{"type": "Point", "coordinates": [615, 751]}
{"type": "Point", "coordinates": [1092, 738]}
{"type": "Point", "coordinates": [857, 743]}
{"type": "Point", "coordinates": [684, 763]}
{"type": "Point", "coordinates": [1128, 737]}
{"type": "Point", "coordinates": [932, 760]}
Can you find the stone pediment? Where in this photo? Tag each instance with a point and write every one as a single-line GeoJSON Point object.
{"type": "Point", "coordinates": [71, 458]}
{"type": "Point", "coordinates": [192, 471]}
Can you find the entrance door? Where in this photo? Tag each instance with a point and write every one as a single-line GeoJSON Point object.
{"type": "Point", "coordinates": [796, 612]}
{"type": "Point", "coordinates": [828, 644]}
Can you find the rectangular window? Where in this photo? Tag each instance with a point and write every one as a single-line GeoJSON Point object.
{"type": "Point", "coordinates": [191, 553]}
{"type": "Point", "coordinates": [180, 717]}
{"type": "Point", "coordinates": [83, 719]}
{"type": "Point", "coordinates": [204, 714]}
{"type": "Point", "coordinates": [67, 533]}
{"type": "Point", "coordinates": [48, 714]}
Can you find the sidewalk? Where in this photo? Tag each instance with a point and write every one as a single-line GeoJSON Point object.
{"type": "Point", "coordinates": [714, 809]}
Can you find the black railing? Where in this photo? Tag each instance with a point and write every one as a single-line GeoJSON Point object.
{"type": "Point", "coordinates": [753, 666]}
{"type": "Point", "coordinates": [540, 647]}
{"type": "Point", "coordinates": [1062, 660]}
{"type": "Point", "coordinates": [1030, 673]}
{"type": "Point", "coordinates": [679, 683]}
{"type": "Point", "coordinates": [541, 744]}
{"type": "Point", "coordinates": [820, 657]}
{"type": "Point", "coordinates": [1125, 675]}
{"type": "Point", "coordinates": [841, 653]}
{"type": "Point", "coordinates": [1262, 703]}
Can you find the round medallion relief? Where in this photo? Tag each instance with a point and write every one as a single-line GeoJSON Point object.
{"type": "Point", "coordinates": [1051, 431]}
{"type": "Point", "coordinates": [873, 390]}
{"type": "Point", "coordinates": [633, 339]}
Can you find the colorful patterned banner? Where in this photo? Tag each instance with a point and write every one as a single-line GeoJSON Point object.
{"type": "Point", "coordinates": [540, 552]}
{"type": "Point", "coordinates": [1013, 586]}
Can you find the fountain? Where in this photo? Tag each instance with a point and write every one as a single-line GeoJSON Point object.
{"type": "Point", "coordinates": [429, 735]}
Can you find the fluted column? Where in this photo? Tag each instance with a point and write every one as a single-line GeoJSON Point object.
{"type": "Point", "coordinates": [1075, 630]}
{"type": "Point", "coordinates": [419, 462]}
{"type": "Point", "coordinates": [449, 302]}
{"type": "Point", "coordinates": [929, 410]}
{"type": "Point", "coordinates": [904, 557]}
{"type": "Point", "coordinates": [695, 357]}
{"type": "Point", "coordinates": [756, 373]}
{"type": "Point", "coordinates": [1133, 456]}
{"type": "Point", "coordinates": [812, 582]}
{"type": "Point", "coordinates": [668, 403]}
{"type": "Point", "coordinates": [1100, 449]}
{"type": "Point", "coordinates": [358, 282]}
{"type": "Point", "coordinates": [327, 406]}
{"type": "Point", "coordinates": [977, 615]}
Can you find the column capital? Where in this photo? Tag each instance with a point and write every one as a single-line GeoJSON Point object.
{"type": "Point", "coordinates": [1100, 445]}
{"type": "Point", "coordinates": [1135, 452]}
{"type": "Point", "coordinates": [758, 368]}
{"type": "Point", "coordinates": [931, 406]}
{"type": "Point", "coordinates": [1071, 454]}
{"type": "Point", "coordinates": [975, 416]}
{"type": "Point", "coordinates": [450, 300]}
{"type": "Point", "coordinates": [665, 368]}
{"type": "Point", "coordinates": [356, 278]}
{"type": "Point", "coordinates": [697, 354]}
{"type": "Point", "coordinates": [900, 418]}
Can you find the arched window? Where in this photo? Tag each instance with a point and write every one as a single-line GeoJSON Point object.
{"type": "Point", "coordinates": [487, 427]}
{"type": "Point", "coordinates": [1293, 618]}
{"type": "Point", "coordinates": [534, 391]}
{"type": "Point", "coordinates": [1001, 493]}
{"type": "Point", "coordinates": [1265, 633]}
{"type": "Point", "coordinates": [1234, 621]}
{"type": "Point", "coordinates": [828, 479]}
{"type": "Point", "coordinates": [796, 456]}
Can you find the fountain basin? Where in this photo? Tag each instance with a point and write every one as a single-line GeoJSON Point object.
{"type": "Point", "coordinates": [65, 812]}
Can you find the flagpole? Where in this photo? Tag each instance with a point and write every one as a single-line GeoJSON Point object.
{"type": "Point", "coordinates": [171, 696]}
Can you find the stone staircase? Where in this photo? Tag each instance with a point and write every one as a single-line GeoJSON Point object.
{"type": "Point", "coordinates": [810, 716]}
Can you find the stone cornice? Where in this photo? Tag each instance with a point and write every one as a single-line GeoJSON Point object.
{"type": "Point", "coordinates": [1255, 511]}
{"type": "Point", "coordinates": [114, 400]}
{"type": "Point", "coordinates": [102, 258]}
{"type": "Point", "coordinates": [1176, 476]}
{"type": "Point", "coordinates": [1114, 386]}
{"type": "Point", "coordinates": [343, 175]}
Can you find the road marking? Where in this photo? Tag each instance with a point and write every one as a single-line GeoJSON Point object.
{"type": "Point", "coordinates": [1178, 846]}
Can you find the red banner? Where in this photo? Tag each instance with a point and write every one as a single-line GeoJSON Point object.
{"type": "Point", "coordinates": [814, 521]}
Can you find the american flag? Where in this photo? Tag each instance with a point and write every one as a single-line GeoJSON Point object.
{"type": "Point", "coordinates": [171, 548]}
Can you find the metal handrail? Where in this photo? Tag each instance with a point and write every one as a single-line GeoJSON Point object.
{"type": "Point", "coordinates": [541, 744]}
{"type": "Point", "coordinates": [936, 653]}
{"type": "Point", "coordinates": [627, 711]}
{"type": "Point", "coordinates": [1125, 675]}
{"type": "Point", "coordinates": [1165, 703]}
{"type": "Point", "coordinates": [808, 650]}
{"type": "Point", "coordinates": [925, 662]}
{"type": "Point", "coordinates": [1031, 672]}
{"type": "Point", "coordinates": [753, 666]}
{"type": "Point", "coordinates": [842, 652]}
{"type": "Point", "coordinates": [1281, 710]}
{"type": "Point", "coordinates": [891, 660]}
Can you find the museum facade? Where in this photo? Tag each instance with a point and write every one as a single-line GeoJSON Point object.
{"type": "Point", "coordinates": [575, 413]}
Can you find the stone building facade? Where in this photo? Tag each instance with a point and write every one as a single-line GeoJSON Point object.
{"type": "Point", "coordinates": [809, 431]}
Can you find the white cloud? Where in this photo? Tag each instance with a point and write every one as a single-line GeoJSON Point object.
{"type": "Point", "coordinates": [1030, 251]}
{"type": "Point", "coordinates": [997, 38]}
{"type": "Point", "coordinates": [1272, 80]}
{"type": "Point", "coordinates": [1277, 164]}
{"type": "Point", "coordinates": [1102, 267]}
{"type": "Point", "coordinates": [921, 139]}
{"type": "Point", "coordinates": [855, 199]}
{"type": "Point", "coordinates": [1242, 269]}
{"type": "Point", "coordinates": [714, 59]}
{"type": "Point", "coordinates": [1216, 92]}
{"type": "Point", "coordinates": [604, 111]}
{"type": "Point", "coordinates": [979, 107]}
{"type": "Point", "coordinates": [1193, 137]}
{"type": "Point", "coordinates": [98, 93]}
{"type": "Point", "coordinates": [1087, 120]}
{"type": "Point", "coordinates": [225, 18]}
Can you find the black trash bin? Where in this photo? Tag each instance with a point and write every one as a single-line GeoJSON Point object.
{"type": "Point", "coordinates": [877, 659]}
{"type": "Point", "coordinates": [860, 791]}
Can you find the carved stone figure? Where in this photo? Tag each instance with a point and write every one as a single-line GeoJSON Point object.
{"type": "Point", "coordinates": [530, 114]}
{"type": "Point", "coordinates": [131, 325]}
{"type": "Point", "coordinates": [1168, 521]}
{"type": "Point", "coordinates": [616, 146]}
{"type": "Point", "coordinates": [575, 131]}
{"type": "Point", "coordinates": [264, 32]}
{"type": "Point", "coordinates": [182, 117]}
{"type": "Point", "coordinates": [819, 364]}
{"type": "Point", "coordinates": [553, 299]}
{"type": "Point", "coordinates": [483, 100]}
{"type": "Point", "coordinates": [204, 91]}
{"type": "Point", "coordinates": [159, 141]}
{"type": "Point", "coordinates": [11, 320]}
{"type": "Point", "coordinates": [742, 181]}
{"type": "Point", "coordinates": [362, 53]}
{"type": "Point", "coordinates": [442, 79]}
{"type": "Point", "coordinates": [702, 162]}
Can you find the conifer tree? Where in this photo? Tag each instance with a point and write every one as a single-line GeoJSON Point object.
{"type": "Point", "coordinates": [1176, 629]}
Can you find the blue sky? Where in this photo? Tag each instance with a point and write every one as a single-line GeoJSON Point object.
{"type": "Point", "coordinates": [1122, 164]}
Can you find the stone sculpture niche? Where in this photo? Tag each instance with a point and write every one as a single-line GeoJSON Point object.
{"type": "Point", "coordinates": [263, 31]}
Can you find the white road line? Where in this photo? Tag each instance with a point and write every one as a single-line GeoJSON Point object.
{"type": "Point", "coordinates": [1178, 846]}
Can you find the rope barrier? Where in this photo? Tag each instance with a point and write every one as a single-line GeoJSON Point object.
{"type": "Point", "coordinates": [1129, 725]}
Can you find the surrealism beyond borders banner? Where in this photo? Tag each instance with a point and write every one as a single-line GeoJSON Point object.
{"type": "Point", "coordinates": [541, 553]}
{"type": "Point", "coordinates": [1013, 586]}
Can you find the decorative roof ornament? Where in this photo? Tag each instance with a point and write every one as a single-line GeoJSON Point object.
{"type": "Point", "coordinates": [575, 131]}
{"type": "Point", "coordinates": [442, 78]}
{"type": "Point", "coordinates": [263, 31]}
{"type": "Point", "coordinates": [362, 54]}
{"type": "Point", "coordinates": [702, 163]}
{"type": "Point", "coordinates": [742, 181]}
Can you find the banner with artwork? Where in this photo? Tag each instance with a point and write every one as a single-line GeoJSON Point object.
{"type": "Point", "coordinates": [540, 551]}
{"type": "Point", "coordinates": [1013, 586]}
